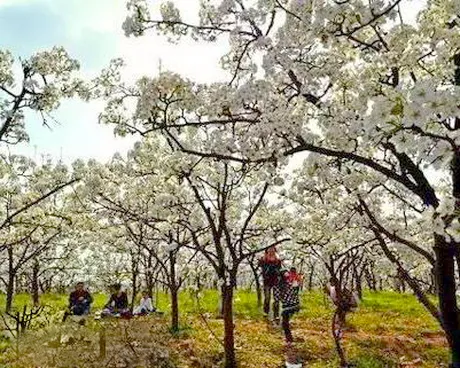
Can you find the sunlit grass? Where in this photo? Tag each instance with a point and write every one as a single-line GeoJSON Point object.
{"type": "Point", "coordinates": [389, 329]}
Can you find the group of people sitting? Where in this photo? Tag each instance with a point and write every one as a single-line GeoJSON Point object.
{"type": "Point", "coordinates": [80, 301]}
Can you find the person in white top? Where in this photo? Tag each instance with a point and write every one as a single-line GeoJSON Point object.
{"type": "Point", "coordinates": [145, 306]}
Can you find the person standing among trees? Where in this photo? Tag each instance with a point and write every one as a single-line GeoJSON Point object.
{"type": "Point", "coordinates": [271, 266]}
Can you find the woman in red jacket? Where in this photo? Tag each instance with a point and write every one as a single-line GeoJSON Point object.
{"type": "Point", "coordinates": [271, 266]}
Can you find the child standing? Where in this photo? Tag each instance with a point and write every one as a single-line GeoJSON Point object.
{"type": "Point", "coordinates": [288, 292]}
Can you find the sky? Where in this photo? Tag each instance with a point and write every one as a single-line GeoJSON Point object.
{"type": "Point", "coordinates": [90, 30]}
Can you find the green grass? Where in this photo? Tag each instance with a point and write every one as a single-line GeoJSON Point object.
{"type": "Point", "coordinates": [389, 327]}
{"type": "Point", "coordinates": [207, 301]}
{"type": "Point", "coordinates": [314, 303]}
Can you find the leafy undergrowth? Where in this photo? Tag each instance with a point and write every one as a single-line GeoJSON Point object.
{"type": "Point", "coordinates": [389, 330]}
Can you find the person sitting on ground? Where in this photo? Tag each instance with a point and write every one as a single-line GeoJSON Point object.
{"type": "Point", "coordinates": [145, 306]}
{"type": "Point", "coordinates": [117, 306]}
{"type": "Point", "coordinates": [288, 292]}
{"type": "Point", "coordinates": [271, 266]}
{"type": "Point", "coordinates": [80, 300]}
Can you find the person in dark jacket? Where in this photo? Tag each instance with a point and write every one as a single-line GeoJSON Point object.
{"type": "Point", "coordinates": [117, 305]}
{"type": "Point", "coordinates": [270, 264]}
{"type": "Point", "coordinates": [80, 300]}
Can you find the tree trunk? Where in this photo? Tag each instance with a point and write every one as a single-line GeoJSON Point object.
{"type": "Point", "coordinates": [11, 277]}
{"type": "Point", "coordinates": [445, 270]}
{"type": "Point", "coordinates": [369, 280]}
{"type": "Point", "coordinates": [259, 294]}
{"type": "Point", "coordinates": [35, 283]}
{"type": "Point", "coordinates": [149, 276]}
{"type": "Point", "coordinates": [445, 252]}
{"type": "Point", "coordinates": [433, 288]}
{"type": "Point", "coordinates": [173, 288]}
{"type": "Point", "coordinates": [134, 273]}
{"type": "Point", "coordinates": [229, 328]}
{"type": "Point", "coordinates": [310, 278]}
{"type": "Point", "coordinates": [174, 310]}
{"type": "Point", "coordinates": [358, 283]}
{"type": "Point", "coordinates": [198, 282]}
{"type": "Point", "coordinates": [257, 283]}
{"type": "Point", "coordinates": [338, 320]}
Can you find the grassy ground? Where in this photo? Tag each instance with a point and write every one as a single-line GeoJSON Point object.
{"type": "Point", "coordinates": [390, 330]}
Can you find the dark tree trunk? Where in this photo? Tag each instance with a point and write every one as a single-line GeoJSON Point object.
{"type": "Point", "coordinates": [368, 278]}
{"type": "Point", "coordinates": [229, 328]}
{"type": "Point", "coordinates": [445, 271]}
{"type": "Point", "coordinates": [310, 278]}
{"type": "Point", "coordinates": [198, 283]}
{"type": "Point", "coordinates": [149, 276]}
{"type": "Point", "coordinates": [173, 288]}
{"type": "Point", "coordinates": [174, 310]}
{"type": "Point", "coordinates": [259, 294]}
{"type": "Point", "coordinates": [11, 277]}
{"type": "Point", "coordinates": [35, 283]}
{"type": "Point", "coordinates": [134, 273]}
{"type": "Point", "coordinates": [374, 281]}
{"type": "Point", "coordinates": [433, 288]}
{"type": "Point", "coordinates": [358, 283]}
{"type": "Point", "coordinates": [338, 322]}
{"type": "Point", "coordinates": [400, 282]}
{"type": "Point", "coordinates": [257, 283]}
{"type": "Point", "coordinates": [445, 252]}
{"type": "Point", "coordinates": [359, 288]}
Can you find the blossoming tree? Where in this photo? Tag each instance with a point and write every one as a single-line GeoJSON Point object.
{"type": "Point", "coordinates": [350, 80]}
